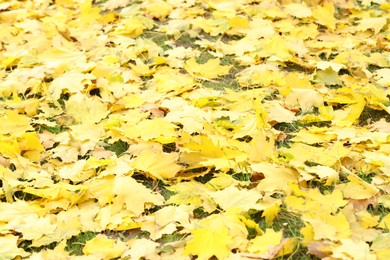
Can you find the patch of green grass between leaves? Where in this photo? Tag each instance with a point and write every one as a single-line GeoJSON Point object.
{"type": "Point", "coordinates": [290, 224]}
{"type": "Point", "coordinates": [118, 147]}
{"type": "Point", "coordinates": [75, 244]}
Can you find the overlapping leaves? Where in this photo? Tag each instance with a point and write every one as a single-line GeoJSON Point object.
{"type": "Point", "coordinates": [171, 129]}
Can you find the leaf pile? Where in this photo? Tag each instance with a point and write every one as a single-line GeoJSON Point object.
{"type": "Point", "coordinates": [172, 129]}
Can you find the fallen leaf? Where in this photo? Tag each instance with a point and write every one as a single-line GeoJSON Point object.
{"type": "Point", "coordinates": [210, 70]}
{"type": "Point", "coordinates": [103, 247]}
{"type": "Point", "coordinates": [159, 165]}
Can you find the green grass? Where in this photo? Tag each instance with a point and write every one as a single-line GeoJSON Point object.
{"type": "Point", "coordinates": [118, 147]}
{"type": "Point", "coordinates": [288, 127]}
{"type": "Point", "coordinates": [161, 39]}
{"type": "Point", "coordinates": [175, 236]}
{"type": "Point", "coordinates": [380, 211]}
{"type": "Point", "coordinates": [186, 41]}
{"type": "Point", "coordinates": [242, 176]}
{"type": "Point", "coordinates": [75, 244]}
{"type": "Point", "coordinates": [155, 185]}
{"type": "Point", "coordinates": [367, 177]}
{"type": "Point", "coordinates": [52, 129]}
{"type": "Point", "coordinates": [290, 224]}
{"type": "Point", "coordinates": [204, 57]}
{"type": "Point", "coordinates": [369, 116]}
{"type": "Point", "coordinates": [26, 245]}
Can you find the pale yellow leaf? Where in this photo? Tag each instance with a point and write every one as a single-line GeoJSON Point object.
{"type": "Point", "coordinates": [353, 250]}
{"type": "Point", "coordinates": [104, 247]}
{"type": "Point", "coordinates": [263, 243]}
{"type": "Point", "coordinates": [276, 177]}
{"type": "Point", "coordinates": [158, 165]}
{"type": "Point", "coordinates": [208, 242]}
{"type": "Point", "coordinates": [233, 197]}
{"type": "Point", "coordinates": [141, 248]}
{"type": "Point", "coordinates": [156, 128]}
{"type": "Point", "coordinates": [323, 65]}
{"type": "Point", "coordinates": [70, 82]}
{"type": "Point", "coordinates": [85, 109]}
{"type": "Point", "coordinates": [324, 15]}
{"type": "Point", "coordinates": [211, 69]}
{"type": "Point", "coordinates": [134, 195]}
{"type": "Point", "coordinates": [9, 247]}
{"type": "Point", "coordinates": [357, 188]}
{"type": "Point", "coordinates": [299, 10]}
{"type": "Point", "coordinates": [381, 246]}
{"type": "Point", "coordinates": [13, 123]}
{"type": "Point", "coordinates": [271, 213]}
{"type": "Point", "coordinates": [376, 24]}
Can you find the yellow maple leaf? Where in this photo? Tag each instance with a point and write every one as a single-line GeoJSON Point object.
{"type": "Point", "coordinates": [376, 23]}
{"type": "Point", "coordinates": [381, 246]}
{"type": "Point", "coordinates": [9, 146]}
{"type": "Point", "coordinates": [58, 191]}
{"type": "Point", "coordinates": [354, 250]}
{"type": "Point", "coordinates": [35, 227]}
{"type": "Point", "coordinates": [132, 101]}
{"type": "Point", "coordinates": [13, 123]}
{"type": "Point", "coordinates": [233, 197]}
{"type": "Point", "coordinates": [277, 49]}
{"type": "Point", "coordinates": [324, 15]}
{"type": "Point", "coordinates": [327, 76]}
{"type": "Point", "coordinates": [71, 82]}
{"type": "Point", "coordinates": [263, 243]}
{"type": "Point", "coordinates": [324, 173]}
{"type": "Point", "coordinates": [313, 200]}
{"type": "Point", "coordinates": [239, 22]}
{"type": "Point", "coordinates": [251, 224]}
{"type": "Point", "coordinates": [278, 113]}
{"type": "Point", "coordinates": [385, 222]}
{"type": "Point", "coordinates": [271, 213]}
{"type": "Point", "coordinates": [30, 141]}
{"type": "Point", "coordinates": [287, 246]}
{"type": "Point", "coordinates": [328, 226]}
{"type": "Point", "coordinates": [158, 165]}
{"type": "Point", "coordinates": [382, 77]}
{"type": "Point", "coordinates": [327, 157]}
{"type": "Point", "coordinates": [209, 241]}
{"type": "Point", "coordinates": [210, 70]}
{"type": "Point", "coordinates": [276, 177]}
{"type": "Point", "coordinates": [133, 195]}
{"type": "Point", "coordinates": [157, 128]}
{"type": "Point", "coordinates": [131, 27]}
{"type": "Point", "coordinates": [29, 106]}
{"type": "Point", "coordinates": [9, 247]}
{"type": "Point", "coordinates": [141, 249]}
{"type": "Point", "coordinates": [86, 109]}
{"type": "Point", "coordinates": [357, 188]}
{"type": "Point", "coordinates": [157, 8]}
{"type": "Point", "coordinates": [223, 180]}
{"type": "Point", "coordinates": [308, 234]}
{"type": "Point", "coordinates": [104, 248]}
{"type": "Point", "coordinates": [171, 80]}
{"type": "Point", "coordinates": [349, 115]}
{"type": "Point", "coordinates": [259, 148]}
{"type": "Point", "coordinates": [367, 220]}
{"type": "Point", "coordinates": [64, 227]}
{"type": "Point", "coordinates": [212, 26]}
{"type": "Point", "coordinates": [171, 214]}
{"type": "Point", "coordinates": [299, 10]}
{"type": "Point", "coordinates": [89, 14]}
{"type": "Point", "coordinates": [192, 193]}
{"type": "Point", "coordinates": [384, 200]}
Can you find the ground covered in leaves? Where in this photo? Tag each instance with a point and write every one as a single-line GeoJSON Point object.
{"type": "Point", "coordinates": [183, 129]}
